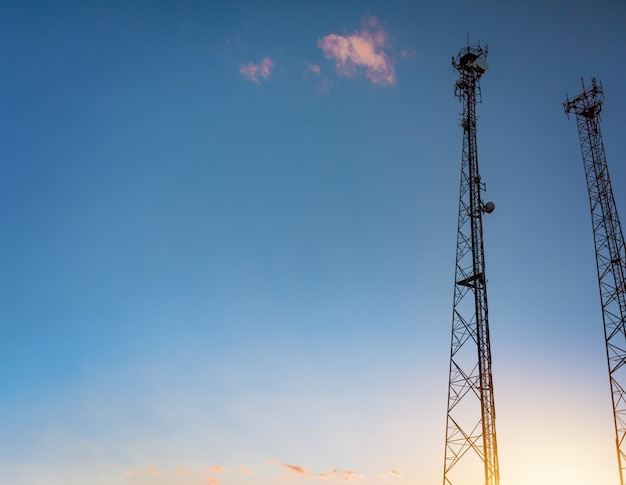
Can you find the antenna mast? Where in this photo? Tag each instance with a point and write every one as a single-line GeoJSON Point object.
{"type": "Point", "coordinates": [471, 446]}
{"type": "Point", "coordinates": [610, 251]}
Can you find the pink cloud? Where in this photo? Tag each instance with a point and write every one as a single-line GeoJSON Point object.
{"type": "Point", "coordinates": [297, 469]}
{"type": "Point", "coordinates": [152, 471]}
{"type": "Point", "coordinates": [323, 83]}
{"type": "Point", "coordinates": [314, 68]}
{"type": "Point", "coordinates": [246, 471]}
{"type": "Point", "coordinates": [361, 50]}
{"type": "Point", "coordinates": [256, 72]}
{"type": "Point", "coordinates": [343, 475]}
{"type": "Point", "coordinates": [347, 476]}
{"type": "Point", "coordinates": [217, 468]}
{"type": "Point", "coordinates": [395, 473]}
{"type": "Point", "coordinates": [182, 471]}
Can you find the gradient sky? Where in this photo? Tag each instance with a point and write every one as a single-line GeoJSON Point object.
{"type": "Point", "coordinates": [229, 228]}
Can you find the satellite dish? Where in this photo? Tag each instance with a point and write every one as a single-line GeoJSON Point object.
{"type": "Point", "coordinates": [461, 84]}
{"type": "Point", "coordinates": [480, 65]}
{"type": "Point", "coordinates": [489, 207]}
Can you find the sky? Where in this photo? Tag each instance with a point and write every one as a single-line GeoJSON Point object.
{"type": "Point", "coordinates": [229, 228]}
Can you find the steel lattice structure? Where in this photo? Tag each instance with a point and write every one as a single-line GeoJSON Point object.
{"type": "Point", "coordinates": [471, 445]}
{"type": "Point", "coordinates": [610, 251]}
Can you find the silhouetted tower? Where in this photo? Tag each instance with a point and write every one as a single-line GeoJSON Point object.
{"type": "Point", "coordinates": [471, 446]}
{"type": "Point", "coordinates": [610, 251]}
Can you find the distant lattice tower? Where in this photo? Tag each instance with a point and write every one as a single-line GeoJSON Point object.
{"type": "Point", "coordinates": [471, 446]}
{"type": "Point", "coordinates": [610, 251]}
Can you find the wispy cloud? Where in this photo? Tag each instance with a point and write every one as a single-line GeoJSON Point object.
{"type": "Point", "coordinates": [394, 473]}
{"type": "Point", "coordinates": [293, 469]}
{"type": "Point", "coordinates": [256, 72]}
{"type": "Point", "coordinates": [349, 476]}
{"type": "Point", "coordinates": [363, 50]}
{"type": "Point", "coordinates": [314, 68]}
{"type": "Point", "coordinates": [297, 469]}
{"type": "Point", "coordinates": [407, 54]}
{"type": "Point", "coordinates": [323, 83]}
{"type": "Point", "coordinates": [210, 478]}
{"type": "Point", "coordinates": [209, 475]}
{"type": "Point", "coordinates": [344, 475]}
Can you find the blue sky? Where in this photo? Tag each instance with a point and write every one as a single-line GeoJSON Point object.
{"type": "Point", "coordinates": [228, 252]}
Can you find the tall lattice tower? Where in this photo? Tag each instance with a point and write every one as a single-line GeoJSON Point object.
{"type": "Point", "coordinates": [610, 251]}
{"type": "Point", "coordinates": [471, 446]}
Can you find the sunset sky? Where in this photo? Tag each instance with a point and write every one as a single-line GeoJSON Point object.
{"type": "Point", "coordinates": [228, 239]}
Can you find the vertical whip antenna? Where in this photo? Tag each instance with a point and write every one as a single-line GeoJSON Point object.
{"type": "Point", "coordinates": [610, 251]}
{"type": "Point", "coordinates": [471, 446]}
